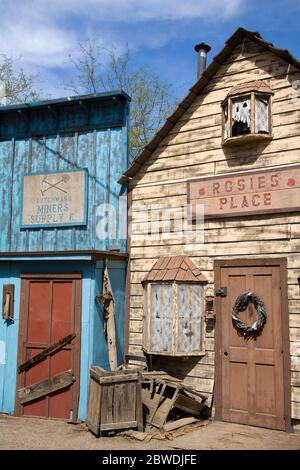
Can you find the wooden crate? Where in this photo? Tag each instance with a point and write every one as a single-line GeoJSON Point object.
{"type": "Point", "coordinates": [115, 401]}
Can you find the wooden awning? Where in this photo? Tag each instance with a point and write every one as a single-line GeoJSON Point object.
{"type": "Point", "coordinates": [175, 268]}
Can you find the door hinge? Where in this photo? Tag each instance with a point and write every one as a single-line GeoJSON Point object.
{"type": "Point", "coordinates": [222, 292]}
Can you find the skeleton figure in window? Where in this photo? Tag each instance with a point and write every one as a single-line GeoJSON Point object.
{"type": "Point", "coordinates": [241, 117]}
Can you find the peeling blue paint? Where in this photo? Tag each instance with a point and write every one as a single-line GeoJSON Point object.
{"type": "Point", "coordinates": [45, 147]}
{"type": "Point", "coordinates": [63, 135]}
{"type": "Point", "coordinates": [93, 344]}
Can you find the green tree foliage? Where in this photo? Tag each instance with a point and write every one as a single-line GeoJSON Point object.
{"type": "Point", "coordinates": [98, 69]}
{"type": "Point", "coordinates": [16, 86]}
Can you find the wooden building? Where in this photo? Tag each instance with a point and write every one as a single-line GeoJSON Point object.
{"type": "Point", "coordinates": [232, 146]}
{"type": "Point", "coordinates": [60, 162]}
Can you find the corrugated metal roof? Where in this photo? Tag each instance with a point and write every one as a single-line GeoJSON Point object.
{"type": "Point", "coordinates": [68, 99]}
{"type": "Point", "coordinates": [175, 268]}
{"type": "Point", "coordinates": [204, 79]}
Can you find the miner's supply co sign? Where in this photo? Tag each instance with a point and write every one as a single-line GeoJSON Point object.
{"type": "Point", "coordinates": [54, 199]}
{"type": "Point", "coordinates": [247, 193]}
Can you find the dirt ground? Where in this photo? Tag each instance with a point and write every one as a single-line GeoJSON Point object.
{"type": "Point", "coordinates": [35, 433]}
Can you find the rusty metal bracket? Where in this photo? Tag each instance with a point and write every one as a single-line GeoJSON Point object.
{"type": "Point", "coordinates": [222, 292]}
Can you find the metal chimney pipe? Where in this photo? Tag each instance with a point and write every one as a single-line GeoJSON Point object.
{"type": "Point", "coordinates": [202, 49]}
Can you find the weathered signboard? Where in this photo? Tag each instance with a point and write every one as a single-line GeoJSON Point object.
{"type": "Point", "coordinates": [246, 193]}
{"type": "Point", "coordinates": [54, 199]}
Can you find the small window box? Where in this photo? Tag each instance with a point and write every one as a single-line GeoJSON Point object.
{"type": "Point", "coordinates": [246, 114]}
{"type": "Point", "coordinates": [174, 308]}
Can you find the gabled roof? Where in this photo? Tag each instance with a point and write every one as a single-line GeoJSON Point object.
{"type": "Point", "coordinates": [175, 268]}
{"type": "Point", "coordinates": [204, 79]}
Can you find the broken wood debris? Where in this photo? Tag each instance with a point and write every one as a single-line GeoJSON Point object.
{"type": "Point", "coordinates": [185, 426]}
{"type": "Point", "coordinates": [116, 401]}
{"type": "Point", "coordinates": [162, 394]}
{"type": "Point", "coordinates": [179, 423]}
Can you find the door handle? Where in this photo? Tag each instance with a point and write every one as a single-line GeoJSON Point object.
{"type": "Point", "coordinates": [225, 353]}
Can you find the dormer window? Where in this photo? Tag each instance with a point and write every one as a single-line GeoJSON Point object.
{"type": "Point", "coordinates": [246, 113]}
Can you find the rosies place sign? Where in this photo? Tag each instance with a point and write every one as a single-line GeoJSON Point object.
{"type": "Point", "coordinates": [251, 192]}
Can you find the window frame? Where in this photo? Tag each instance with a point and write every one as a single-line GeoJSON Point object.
{"type": "Point", "coordinates": [252, 136]}
{"type": "Point", "coordinates": [147, 321]}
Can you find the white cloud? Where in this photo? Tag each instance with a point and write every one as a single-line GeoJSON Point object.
{"type": "Point", "coordinates": [44, 46]}
{"type": "Point", "coordinates": [150, 10]}
{"type": "Point", "coordinates": [44, 33]}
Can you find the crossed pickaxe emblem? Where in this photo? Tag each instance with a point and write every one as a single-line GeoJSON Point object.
{"type": "Point", "coordinates": [56, 185]}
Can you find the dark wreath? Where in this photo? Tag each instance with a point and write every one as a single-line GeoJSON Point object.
{"type": "Point", "coordinates": [240, 305]}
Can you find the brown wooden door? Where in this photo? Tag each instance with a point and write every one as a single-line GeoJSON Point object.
{"type": "Point", "coordinates": [252, 386]}
{"type": "Point", "coordinates": [50, 311]}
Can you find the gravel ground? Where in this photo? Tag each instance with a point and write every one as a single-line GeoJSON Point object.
{"type": "Point", "coordinates": [36, 433]}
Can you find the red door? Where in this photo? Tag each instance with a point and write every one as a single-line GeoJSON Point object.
{"type": "Point", "coordinates": [252, 372]}
{"type": "Point", "coordinates": [50, 311]}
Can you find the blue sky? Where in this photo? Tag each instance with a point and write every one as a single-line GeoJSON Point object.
{"type": "Point", "coordinates": [161, 34]}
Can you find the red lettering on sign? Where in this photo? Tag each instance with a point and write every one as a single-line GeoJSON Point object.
{"type": "Point", "coordinates": [261, 182]}
{"type": "Point", "coordinates": [228, 186]}
{"type": "Point", "coordinates": [245, 202]}
{"type": "Point", "coordinates": [216, 187]}
{"type": "Point", "coordinates": [223, 202]}
{"type": "Point", "coordinates": [267, 199]}
{"type": "Point", "coordinates": [257, 191]}
{"type": "Point", "coordinates": [241, 184]}
{"type": "Point", "coordinates": [232, 206]}
{"type": "Point", "coordinates": [255, 200]}
{"type": "Point", "coordinates": [274, 181]}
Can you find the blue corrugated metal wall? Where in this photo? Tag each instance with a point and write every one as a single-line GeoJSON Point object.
{"type": "Point", "coordinates": [93, 136]}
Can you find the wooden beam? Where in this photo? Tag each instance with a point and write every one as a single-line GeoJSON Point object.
{"type": "Point", "coordinates": [179, 423]}
{"type": "Point", "coordinates": [109, 378]}
{"type": "Point", "coordinates": [109, 311]}
{"type": "Point", "coordinates": [118, 379]}
{"type": "Point", "coordinates": [40, 389]}
{"type": "Point", "coordinates": [38, 357]}
{"type": "Point", "coordinates": [117, 426]}
{"type": "Point", "coordinates": [188, 404]}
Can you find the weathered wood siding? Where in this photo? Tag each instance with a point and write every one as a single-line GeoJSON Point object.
{"type": "Point", "coordinates": [193, 148]}
{"type": "Point", "coordinates": [60, 137]}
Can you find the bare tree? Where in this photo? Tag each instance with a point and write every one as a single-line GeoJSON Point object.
{"type": "Point", "coordinates": [100, 69]}
{"type": "Point", "coordinates": [15, 85]}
